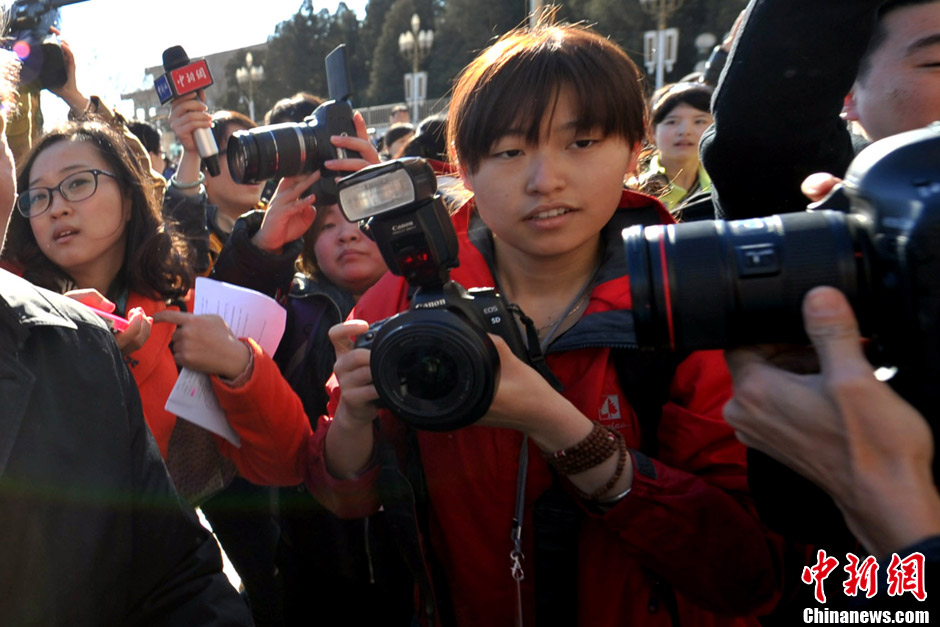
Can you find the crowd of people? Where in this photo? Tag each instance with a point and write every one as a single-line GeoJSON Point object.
{"type": "Point", "coordinates": [605, 483]}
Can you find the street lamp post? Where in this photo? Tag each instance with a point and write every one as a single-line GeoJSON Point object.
{"type": "Point", "coordinates": [535, 12]}
{"type": "Point", "coordinates": [415, 45]}
{"type": "Point", "coordinates": [662, 39]}
{"type": "Point", "coordinates": [704, 43]}
{"type": "Point", "coordinates": [248, 75]}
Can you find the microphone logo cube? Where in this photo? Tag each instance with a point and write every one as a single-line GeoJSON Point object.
{"type": "Point", "coordinates": [164, 91]}
{"type": "Point", "coordinates": [190, 78]}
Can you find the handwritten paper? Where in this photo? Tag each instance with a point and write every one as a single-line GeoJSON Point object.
{"type": "Point", "coordinates": [248, 314]}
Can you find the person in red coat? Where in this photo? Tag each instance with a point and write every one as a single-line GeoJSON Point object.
{"type": "Point", "coordinates": [87, 219]}
{"type": "Point", "coordinates": [544, 126]}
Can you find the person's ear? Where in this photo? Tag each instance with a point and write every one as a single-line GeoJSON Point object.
{"type": "Point", "coordinates": [850, 107]}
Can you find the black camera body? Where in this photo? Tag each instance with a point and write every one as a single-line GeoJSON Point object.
{"type": "Point", "coordinates": [434, 365]}
{"type": "Point", "coordinates": [43, 62]}
{"type": "Point", "coordinates": [719, 284]}
{"type": "Point", "coordinates": [289, 149]}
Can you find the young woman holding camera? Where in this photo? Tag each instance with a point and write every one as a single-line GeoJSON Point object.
{"type": "Point", "coordinates": [544, 126]}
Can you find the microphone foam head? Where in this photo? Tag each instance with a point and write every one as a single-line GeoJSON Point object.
{"type": "Point", "coordinates": [174, 57]}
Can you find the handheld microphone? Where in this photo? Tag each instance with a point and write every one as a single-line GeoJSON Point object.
{"type": "Point", "coordinates": [183, 77]}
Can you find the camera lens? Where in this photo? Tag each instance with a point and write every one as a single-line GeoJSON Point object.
{"type": "Point", "coordinates": [272, 151]}
{"type": "Point", "coordinates": [434, 370]}
{"type": "Point", "coordinates": [716, 284]}
{"type": "Point", "coordinates": [426, 372]}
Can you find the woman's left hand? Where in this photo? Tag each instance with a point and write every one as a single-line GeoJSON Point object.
{"type": "Point", "coordinates": [525, 401]}
{"type": "Point", "coordinates": [139, 323]}
{"type": "Point", "coordinates": [137, 332]}
{"type": "Point", "coordinates": [206, 344]}
{"type": "Point", "coordinates": [289, 214]}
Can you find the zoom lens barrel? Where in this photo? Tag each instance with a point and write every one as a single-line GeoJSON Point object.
{"type": "Point", "coordinates": [273, 151]}
{"type": "Point", "coordinates": [716, 284]}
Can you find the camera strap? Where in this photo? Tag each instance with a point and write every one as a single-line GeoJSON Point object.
{"type": "Point", "coordinates": [534, 352]}
{"type": "Point", "coordinates": [516, 555]}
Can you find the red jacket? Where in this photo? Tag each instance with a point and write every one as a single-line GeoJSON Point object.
{"type": "Point", "coordinates": [251, 409]}
{"type": "Point", "coordinates": [689, 519]}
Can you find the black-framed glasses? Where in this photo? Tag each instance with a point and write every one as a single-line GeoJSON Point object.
{"type": "Point", "coordinates": [35, 201]}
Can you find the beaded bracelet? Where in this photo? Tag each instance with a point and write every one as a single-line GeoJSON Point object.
{"type": "Point", "coordinates": [621, 465]}
{"type": "Point", "coordinates": [199, 181]}
{"type": "Point", "coordinates": [599, 445]}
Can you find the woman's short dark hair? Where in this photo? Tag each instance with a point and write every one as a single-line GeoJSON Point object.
{"type": "Point", "coordinates": [696, 95]}
{"type": "Point", "coordinates": [517, 81]}
{"type": "Point", "coordinates": [155, 258]}
{"type": "Point", "coordinates": [293, 109]}
{"type": "Point", "coordinates": [395, 132]}
{"type": "Point", "coordinates": [225, 119]}
{"type": "Point", "coordinates": [430, 141]}
{"type": "Point", "coordinates": [148, 135]}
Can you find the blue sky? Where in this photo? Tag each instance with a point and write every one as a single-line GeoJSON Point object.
{"type": "Point", "coordinates": [114, 40]}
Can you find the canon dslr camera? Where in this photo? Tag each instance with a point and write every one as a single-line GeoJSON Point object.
{"type": "Point", "coordinates": [288, 149]}
{"type": "Point", "coordinates": [433, 365]}
{"type": "Point", "coordinates": [721, 284]}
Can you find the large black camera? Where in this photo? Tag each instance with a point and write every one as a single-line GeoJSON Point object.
{"type": "Point", "coordinates": [433, 365]}
{"type": "Point", "coordinates": [43, 62]}
{"type": "Point", "coordinates": [288, 149]}
{"type": "Point", "coordinates": [722, 284]}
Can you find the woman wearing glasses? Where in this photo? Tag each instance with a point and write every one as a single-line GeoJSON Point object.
{"type": "Point", "coordinates": [87, 218]}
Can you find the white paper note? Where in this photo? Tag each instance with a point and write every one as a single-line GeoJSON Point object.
{"type": "Point", "coordinates": [248, 314]}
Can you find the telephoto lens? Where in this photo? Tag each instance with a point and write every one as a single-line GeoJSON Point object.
{"type": "Point", "coordinates": [716, 284]}
{"type": "Point", "coordinates": [289, 149]}
{"type": "Point", "coordinates": [272, 151]}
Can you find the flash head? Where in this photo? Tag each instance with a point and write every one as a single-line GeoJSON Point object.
{"type": "Point", "coordinates": [384, 187]}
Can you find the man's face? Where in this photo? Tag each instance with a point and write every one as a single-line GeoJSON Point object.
{"type": "Point", "coordinates": [901, 90]}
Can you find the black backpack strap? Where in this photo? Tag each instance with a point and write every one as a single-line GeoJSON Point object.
{"type": "Point", "coordinates": [645, 377]}
{"type": "Point", "coordinates": [556, 523]}
{"type": "Point", "coordinates": [404, 501]}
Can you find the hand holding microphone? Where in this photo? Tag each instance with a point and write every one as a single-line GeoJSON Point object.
{"type": "Point", "coordinates": [184, 77]}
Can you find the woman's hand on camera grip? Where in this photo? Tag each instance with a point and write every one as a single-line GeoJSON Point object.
{"type": "Point", "coordinates": [525, 401]}
{"type": "Point", "coordinates": [349, 440]}
{"type": "Point", "coordinates": [361, 144]}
